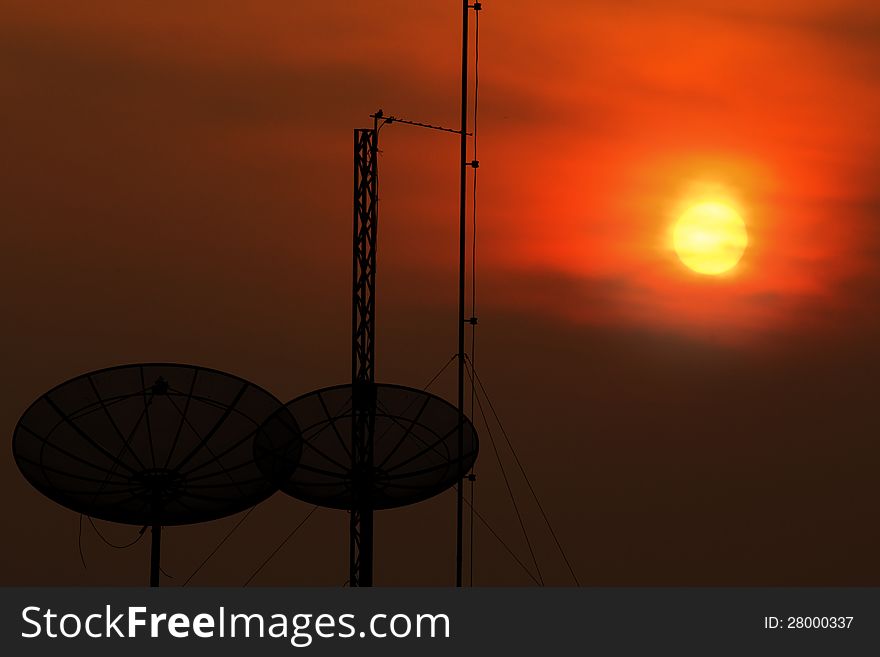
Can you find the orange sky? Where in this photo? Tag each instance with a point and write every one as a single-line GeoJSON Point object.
{"type": "Point", "coordinates": [773, 102]}
{"type": "Point", "coordinates": [176, 185]}
{"type": "Point", "coordinates": [597, 119]}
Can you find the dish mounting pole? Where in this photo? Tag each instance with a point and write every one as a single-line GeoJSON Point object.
{"type": "Point", "coordinates": [155, 554]}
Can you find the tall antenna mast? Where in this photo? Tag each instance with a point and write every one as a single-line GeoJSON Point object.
{"type": "Point", "coordinates": [363, 328]}
{"type": "Point", "coordinates": [462, 247]}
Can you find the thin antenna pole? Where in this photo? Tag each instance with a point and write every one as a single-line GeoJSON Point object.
{"type": "Point", "coordinates": [459, 552]}
{"type": "Point", "coordinates": [155, 556]}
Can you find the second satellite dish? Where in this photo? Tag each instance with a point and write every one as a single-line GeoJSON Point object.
{"type": "Point", "coordinates": [415, 447]}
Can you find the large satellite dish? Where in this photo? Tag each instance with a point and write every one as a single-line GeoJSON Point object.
{"type": "Point", "coordinates": [153, 444]}
{"type": "Point", "coordinates": [414, 455]}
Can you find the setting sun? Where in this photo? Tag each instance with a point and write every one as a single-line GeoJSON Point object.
{"type": "Point", "coordinates": [710, 238]}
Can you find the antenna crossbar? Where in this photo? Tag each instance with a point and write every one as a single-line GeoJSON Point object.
{"type": "Point", "coordinates": [379, 116]}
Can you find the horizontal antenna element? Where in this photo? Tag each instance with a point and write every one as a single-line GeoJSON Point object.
{"type": "Point", "coordinates": [379, 116]}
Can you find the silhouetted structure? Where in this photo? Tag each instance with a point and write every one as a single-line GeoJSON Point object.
{"type": "Point", "coordinates": [363, 333]}
{"type": "Point", "coordinates": [153, 445]}
{"type": "Point", "coordinates": [409, 454]}
{"type": "Point", "coordinates": [369, 446]}
{"type": "Point", "coordinates": [413, 452]}
{"type": "Point", "coordinates": [167, 444]}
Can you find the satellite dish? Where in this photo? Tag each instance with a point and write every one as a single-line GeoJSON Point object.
{"type": "Point", "coordinates": [153, 444]}
{"type": "Point", "coordinates": [415, 447]}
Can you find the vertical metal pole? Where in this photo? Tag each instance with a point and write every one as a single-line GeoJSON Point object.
{"type": "Point", "coordinates": [368, 413]}
{"type": "Point", "coordinates": [155, 555]}
{"type": "Point", "coordinates": [354, 516]}
{"type": "Point", "coordinates": [363, 325]}
{"type": "Point", "coordinates": [461, 287]}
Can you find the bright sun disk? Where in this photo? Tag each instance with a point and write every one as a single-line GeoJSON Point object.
{"type": "Point", "coordinates": [710, 238]}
